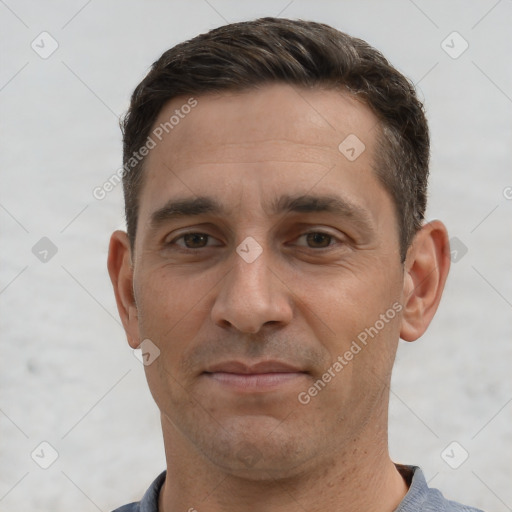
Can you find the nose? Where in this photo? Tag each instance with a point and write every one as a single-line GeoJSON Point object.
{"type": "Point", "coordinates": [252, 295]}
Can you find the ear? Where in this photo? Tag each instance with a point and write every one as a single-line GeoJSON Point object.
{"type": "Point", "coordinates": [120, 269]}
{"type": "Point", "coordinates": [426, 269]}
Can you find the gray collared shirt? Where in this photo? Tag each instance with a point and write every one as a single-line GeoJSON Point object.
{"type": "Point", "coordinates": [419, 498]}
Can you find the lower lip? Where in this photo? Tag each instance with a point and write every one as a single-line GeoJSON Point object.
{"type": "Point", "coordinates": [255, 381]}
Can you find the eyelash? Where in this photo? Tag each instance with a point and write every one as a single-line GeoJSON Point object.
{"type": "Point", "coordinates": [333, 240]}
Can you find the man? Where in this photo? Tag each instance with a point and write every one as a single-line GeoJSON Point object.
{"type": "Point", "coordinates": [276, 250]}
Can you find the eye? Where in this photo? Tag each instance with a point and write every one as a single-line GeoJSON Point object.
{"type": "Point", "coordinates": [315, 240]}
{"type": "Point", "coordinates": [194, 240]}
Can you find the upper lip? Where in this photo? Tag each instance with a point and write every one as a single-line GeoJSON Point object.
{"type": "Point", "coordinates": [254, 368]}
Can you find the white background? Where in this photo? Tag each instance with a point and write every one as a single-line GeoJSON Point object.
{"type": "Point", "coordinates": [67, 375]}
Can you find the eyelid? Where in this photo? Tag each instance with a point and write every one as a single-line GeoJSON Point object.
{"type": "Point", "coordinates": [323, 231]}
{"type": "Point", "coordinates": [192, 232]}
{"type": "Point", "coordinates": [337, 238]}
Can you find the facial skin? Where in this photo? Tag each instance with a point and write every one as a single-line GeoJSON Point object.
{"type": "Point", "coordinates": [265, 164]}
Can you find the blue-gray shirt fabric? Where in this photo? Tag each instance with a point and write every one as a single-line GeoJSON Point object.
{"type": "Point", "coordinates": [419, 498]}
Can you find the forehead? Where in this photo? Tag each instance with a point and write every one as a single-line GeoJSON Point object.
{"type": "Point", "coordinates": [264, 139]}
{"type": "Point", "coordinates": [278, 112]}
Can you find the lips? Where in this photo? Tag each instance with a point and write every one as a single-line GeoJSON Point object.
{"type": "Point", "coordinates": [253, 369]}
{"type": "Point", "coordinates": [257, 377]}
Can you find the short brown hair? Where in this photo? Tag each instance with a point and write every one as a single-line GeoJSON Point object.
{"type": "Point", "coordinates": [242, 55]}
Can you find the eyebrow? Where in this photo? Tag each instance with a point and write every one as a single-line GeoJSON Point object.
{"type": "Point", "coordinates": [336, 205]}
{"type": "Point", "coordinates": [313, 203]}
{"type": "Point", "coordinates": [305, 203]}
{"type": "Point", "coordinates": [186, 207]}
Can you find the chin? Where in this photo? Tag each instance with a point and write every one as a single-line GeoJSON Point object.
{"type": "Point", "coordinates": [260, 449]}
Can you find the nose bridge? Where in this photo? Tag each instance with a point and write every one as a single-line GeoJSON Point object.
{"type": "Point", "coordinates": [250, 296]}
{"type": "Point", "coordinates": [252, 274]}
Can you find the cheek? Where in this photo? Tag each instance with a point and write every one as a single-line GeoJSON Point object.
{"type": "Point", "coordinates": [171, 313]}
{"type": "Point", "coordinates": [171, 309]}
{"type": "Point", "coordinates": [355, 310]}
{"type": "Point", "coordinates": [348, 300]}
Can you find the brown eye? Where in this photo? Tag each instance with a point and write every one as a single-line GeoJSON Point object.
{"type": "Point", "coordinates": [195, 240]}
{"type": "Point", "coordinates": [318, 240]}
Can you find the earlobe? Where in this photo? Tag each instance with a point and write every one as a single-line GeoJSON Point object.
{"type": "Point", "coordinates": [120, 269]}
{"type": "Point", "coordinates": [426, 269]}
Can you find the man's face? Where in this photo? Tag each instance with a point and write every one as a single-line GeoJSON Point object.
{"type": "Point", "coordinates": [262, 253]}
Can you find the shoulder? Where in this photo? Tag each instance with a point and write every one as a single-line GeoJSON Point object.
{"type": "Point", "coordinates": [421, 497]}
{"type": "Point", "coordinates": [149, 502]}
{"type": "Point", "coordinates": [131, 507]}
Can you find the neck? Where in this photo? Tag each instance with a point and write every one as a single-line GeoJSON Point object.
{"type": "Point", "coordinates": [359, 477]}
